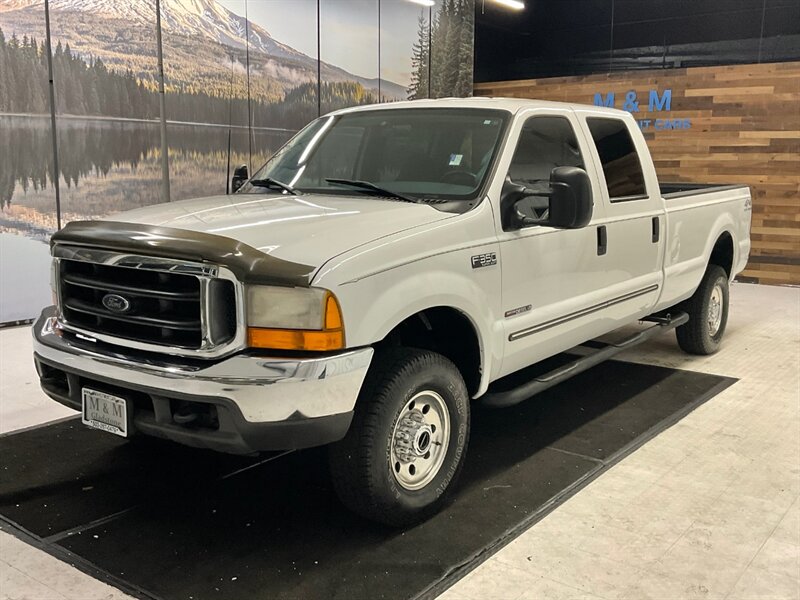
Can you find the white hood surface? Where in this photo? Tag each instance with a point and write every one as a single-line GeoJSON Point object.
{"type": "Point", "coordinates": [308, 229]}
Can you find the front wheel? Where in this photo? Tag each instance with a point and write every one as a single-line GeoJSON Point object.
{"type": "Point", "coordinates": [708, 314]}
{"type": "Point", "coordinates": [405, 448]}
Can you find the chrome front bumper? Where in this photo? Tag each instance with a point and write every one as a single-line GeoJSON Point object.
{"type": "Point", "coordinates": [297, 398]}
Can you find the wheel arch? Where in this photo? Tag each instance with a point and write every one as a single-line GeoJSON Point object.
{"type": "Point", "coordinates": [722, 253]}
{"type": "Point", "coordinates": [448, 331]}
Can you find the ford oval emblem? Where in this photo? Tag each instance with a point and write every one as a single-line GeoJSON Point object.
{"type": "Point", "coordinates": [116, 303]}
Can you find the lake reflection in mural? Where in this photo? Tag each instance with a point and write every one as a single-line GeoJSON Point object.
{"type": "Point", "coordinates": [111, 166]}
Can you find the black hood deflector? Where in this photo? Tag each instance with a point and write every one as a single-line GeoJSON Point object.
{"type": "Point", "coordinates": [247, 264]}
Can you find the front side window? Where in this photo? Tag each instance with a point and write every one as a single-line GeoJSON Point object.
{"type": "Point", "coordinates": [425, 153]}
{"type": "Point", "coordinates": [621, 165]}
{"type": "Point", "coordinates": [544, 144]}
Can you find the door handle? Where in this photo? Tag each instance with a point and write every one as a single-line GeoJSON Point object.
{"type": "Point", "coordinates": [602, 240]}
{"type": "Point", "coordinates": [656, 229]}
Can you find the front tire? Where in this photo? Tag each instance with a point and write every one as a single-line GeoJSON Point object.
{"type": "Point", "coordinates": [406, 445]}
{"type": "Point", "coordinates": [708, 314]}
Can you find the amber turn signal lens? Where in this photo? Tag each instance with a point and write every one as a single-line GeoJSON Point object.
{"type": "Point", "coordinates": [333, 315]}
{"type": "Point", "coordinates": [295, 339]}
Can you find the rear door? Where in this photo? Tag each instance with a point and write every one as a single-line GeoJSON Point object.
{"type": "Point", "coordinates": [633, 229]}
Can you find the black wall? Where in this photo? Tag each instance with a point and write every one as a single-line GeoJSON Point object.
{"type": "Point", "coordinates": [578, 37]}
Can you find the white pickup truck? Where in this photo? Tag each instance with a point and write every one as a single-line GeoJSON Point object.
{"type": "Point", "coordinates": [386, 268]}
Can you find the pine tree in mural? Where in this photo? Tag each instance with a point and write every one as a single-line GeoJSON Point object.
{"type": "Point", "coordinates": [90, 88]}
{"type": "Point", "coordinates": [18, 61]}
{"type": "Point", "coordinates": [465, 48]}
{"type": "Point", "coordinates": [450, 62]}
{"type": "Point", "coordinates": [449, 52]}
{"type": "Point", "coordinates": [4, 74]}
{"type": "Point", "coordinates": [439, 38]}
{"type": "Point", "coordinates": [419, 62]}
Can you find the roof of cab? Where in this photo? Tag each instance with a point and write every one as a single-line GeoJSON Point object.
{"type": "Point", "coordinates": [512, 105]}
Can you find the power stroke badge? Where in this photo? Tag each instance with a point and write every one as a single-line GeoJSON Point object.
{"type": "Point", "coordinates": [517, 311]}
{"type": "Point", "coordinates": [484, 260]}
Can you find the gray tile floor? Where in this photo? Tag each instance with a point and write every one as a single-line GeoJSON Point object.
{"type": "Point", "coordinates": [708, 509]}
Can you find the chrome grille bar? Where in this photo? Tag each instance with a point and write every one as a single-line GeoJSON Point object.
{"type": "Point", "coordinates": [90, 282]}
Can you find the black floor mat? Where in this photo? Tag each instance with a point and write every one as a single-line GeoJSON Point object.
{"type": "Point", "coordinates": [159, 520]}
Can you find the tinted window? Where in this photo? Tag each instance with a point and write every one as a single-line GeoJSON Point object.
{"type": "Point", "coordinates": [427, 153]}
{"type": "Point", "coordinates": [621, 164]}
{"type": "Point", "coordinates": [544, 144]}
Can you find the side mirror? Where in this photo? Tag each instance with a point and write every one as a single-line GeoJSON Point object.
{"type": "Point", "coordinates": [240, 177]}
{"type": "Point", "coordinates": [569, 201]}
{"type": "Point", "coordinates": [510, 215]}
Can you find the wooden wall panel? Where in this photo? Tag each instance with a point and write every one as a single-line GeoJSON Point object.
{"type": "Point", "coordinates": [745, 128]}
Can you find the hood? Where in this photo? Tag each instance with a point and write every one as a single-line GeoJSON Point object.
{"type": "Point", "coordinates": [307, 229]}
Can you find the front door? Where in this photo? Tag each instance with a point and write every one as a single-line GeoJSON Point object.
{"type": "Point", "coordinates": [553, 283]}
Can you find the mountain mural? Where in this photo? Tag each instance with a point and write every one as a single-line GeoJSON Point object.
{"type": "Point", "coordinates": [236, 91]}
{"type": "Point", "coordinates": [204, 43]}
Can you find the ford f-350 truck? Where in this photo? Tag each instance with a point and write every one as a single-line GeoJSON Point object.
{"type": "Point", "coordinates": [385, 269]}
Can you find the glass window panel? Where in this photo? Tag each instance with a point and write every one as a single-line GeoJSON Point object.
{"type": "Point", "coordinates": [283, 72]}
{"type": "Point", "coordinates": [27, 196]}
{"type": "Point", "coordinates": [621, 165]}
{"type": "Point", "coordinates": [426, 153]}
{"type": "Point", "coordinates": [205, 63]}
{"type": "Point", "coordinates": [349, 51]}
{"type": "Point", "coordinates": [107, 104]}
{"type": "Point", "coordinates": [405, 36]}
{"type": "Point", "coordinates": [544, 144]}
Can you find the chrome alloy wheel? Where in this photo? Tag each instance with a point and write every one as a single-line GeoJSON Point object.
{"type": "Point", "coordinates": [715, 310]}
{"type": "Point", "coordinates": [419, 440]}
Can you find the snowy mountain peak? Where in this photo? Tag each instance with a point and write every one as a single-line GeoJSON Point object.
{"type": "Point", "coordinates": [9, 5]}
{"type": "Point", "coordinates": [198, 22]}
{"type": "Point", "coordinates": [205, 18]}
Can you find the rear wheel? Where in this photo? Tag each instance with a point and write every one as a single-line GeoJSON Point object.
{"type": "Point", "coordinates": [405, 448]}
{"type": "Point", "coordinates": [708, 314]}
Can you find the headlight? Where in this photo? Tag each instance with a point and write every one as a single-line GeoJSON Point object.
{"type": "Point", "coordinates": [284, 318]}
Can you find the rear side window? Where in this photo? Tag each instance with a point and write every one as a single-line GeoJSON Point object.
{"type": "Point", "coordinates": [621, 164]}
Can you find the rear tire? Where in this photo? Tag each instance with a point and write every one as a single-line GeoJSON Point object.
{"type": "Point", "coordinates": [406, 445]}
{"type": "Point", "coordinates": [708, 314]}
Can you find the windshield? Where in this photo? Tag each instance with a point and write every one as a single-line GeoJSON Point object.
{"type": "Point", "coordinates": [422, 153]}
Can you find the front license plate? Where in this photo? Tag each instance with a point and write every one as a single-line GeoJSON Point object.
{"type": "Point", "coordinates": [106, 412]}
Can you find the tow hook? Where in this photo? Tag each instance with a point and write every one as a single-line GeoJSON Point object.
{"type": "Point", "coordinates": [184, 416]}
{"type": "Point", "coordinates": [196, 414]}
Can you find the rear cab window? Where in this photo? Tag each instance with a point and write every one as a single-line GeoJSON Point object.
{"type": "Point", "coordinates": [622, 166]}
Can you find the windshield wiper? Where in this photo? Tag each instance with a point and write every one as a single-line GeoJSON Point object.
{"type": "Point", "coordinates": [375, 190]}
{"type": "Point", "coordinates": [269, 182]}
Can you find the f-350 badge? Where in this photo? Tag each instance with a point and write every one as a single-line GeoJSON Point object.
{"type": "Point", "coordinates": [484, 260]}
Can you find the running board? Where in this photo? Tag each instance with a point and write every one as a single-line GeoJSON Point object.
{"type": "Point", "coordinates": [556, 376]}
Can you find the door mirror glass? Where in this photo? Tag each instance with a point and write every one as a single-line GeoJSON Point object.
{"type": "Point", "coordinates": [240, 176]}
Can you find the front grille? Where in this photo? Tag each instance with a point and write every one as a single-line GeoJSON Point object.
{"type": "Point", "coordinates": [149, 306]}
